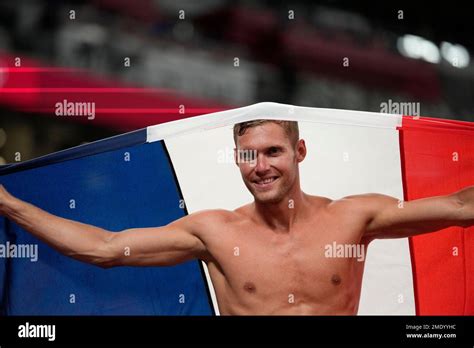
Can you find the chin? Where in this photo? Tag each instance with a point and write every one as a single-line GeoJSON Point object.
{"type": "Point", "coordinates": [268, 198]}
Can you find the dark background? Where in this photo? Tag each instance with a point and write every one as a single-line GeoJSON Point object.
{"type": "Point", "coordinates": [215, 54]}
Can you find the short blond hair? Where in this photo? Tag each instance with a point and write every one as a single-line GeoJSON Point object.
{"type": "Point", "coordinates": [290, 127]}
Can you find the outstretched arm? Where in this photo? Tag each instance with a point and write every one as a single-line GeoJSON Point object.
{"type": "Point", "coordinates": [160, 246]}
{"type": "Point", "coordinates": [390, 218]}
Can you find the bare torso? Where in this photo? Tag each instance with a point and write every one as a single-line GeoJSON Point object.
{"type": "Point", "coordinates": [256, 270]}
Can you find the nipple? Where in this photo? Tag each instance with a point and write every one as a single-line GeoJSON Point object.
{"type": "Point", "coordinates": [335, 279]}
{"type": "Point", "coordinates": [250, 287]}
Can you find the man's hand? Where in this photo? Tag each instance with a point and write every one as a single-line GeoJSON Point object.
{"type": "Point", "coordinates": [391, 218]}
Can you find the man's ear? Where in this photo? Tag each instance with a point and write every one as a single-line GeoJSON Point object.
{"type": "Point", "coordinates": [300, 150]}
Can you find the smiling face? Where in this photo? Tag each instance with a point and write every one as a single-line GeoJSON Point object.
{"type": "Point", "coordinates": [272, 172]}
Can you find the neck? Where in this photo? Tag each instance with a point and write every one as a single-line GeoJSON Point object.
{"type": "Point", "coordinates": [281, 216]}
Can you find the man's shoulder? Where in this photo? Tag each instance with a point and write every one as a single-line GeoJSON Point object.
{"type": "Point", "coordinates": [318, 200]}
{"type": "Point", "coordinates": [365, 201]}
{"type": "Point", "coordinates": [209, 223]}
{"type": "Point", "coordinates": [367, 197]}
{"type": "Point", "coordinates": [213, 217]}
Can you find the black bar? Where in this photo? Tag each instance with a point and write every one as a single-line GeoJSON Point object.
{"type": "Point", "coordinates": [134, 330]}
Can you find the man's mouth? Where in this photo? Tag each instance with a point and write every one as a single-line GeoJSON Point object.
{"type": "Point", "coordinates": [265, 182]}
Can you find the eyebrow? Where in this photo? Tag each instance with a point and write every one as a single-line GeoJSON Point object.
{"type": "Point", "coordinates": [276, 147]}
{"type": "Point", "coordinates": [279, 147]}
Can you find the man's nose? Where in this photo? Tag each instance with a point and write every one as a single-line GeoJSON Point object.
{"type": "Point", "coordinates": [262, 164]}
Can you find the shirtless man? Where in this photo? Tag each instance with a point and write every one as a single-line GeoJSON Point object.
{"type": "Point", "coordinates": [267, 257]}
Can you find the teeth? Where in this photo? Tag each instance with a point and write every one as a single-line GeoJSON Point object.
{"type": "Point", "coordinates": [266, 181]}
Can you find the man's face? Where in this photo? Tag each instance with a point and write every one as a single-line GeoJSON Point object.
{"type": "Point", "coordinates": [274, 171]}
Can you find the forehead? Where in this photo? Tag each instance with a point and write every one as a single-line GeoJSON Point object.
{"type": "Point", "coordinates": [264, 135]}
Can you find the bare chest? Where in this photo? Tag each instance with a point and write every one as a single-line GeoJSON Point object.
{"type": "Point", "coordinates": [302, 268]}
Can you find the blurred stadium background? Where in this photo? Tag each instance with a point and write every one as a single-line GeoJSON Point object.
{"type": "Point", "coordinates": [145, 62]}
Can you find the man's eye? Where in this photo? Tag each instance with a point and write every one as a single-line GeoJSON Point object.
{"type": "Point", "coordinates": [273, 150]}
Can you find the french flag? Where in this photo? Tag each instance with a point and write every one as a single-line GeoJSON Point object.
{"type": "Point", "coordinates": [154, 176]}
